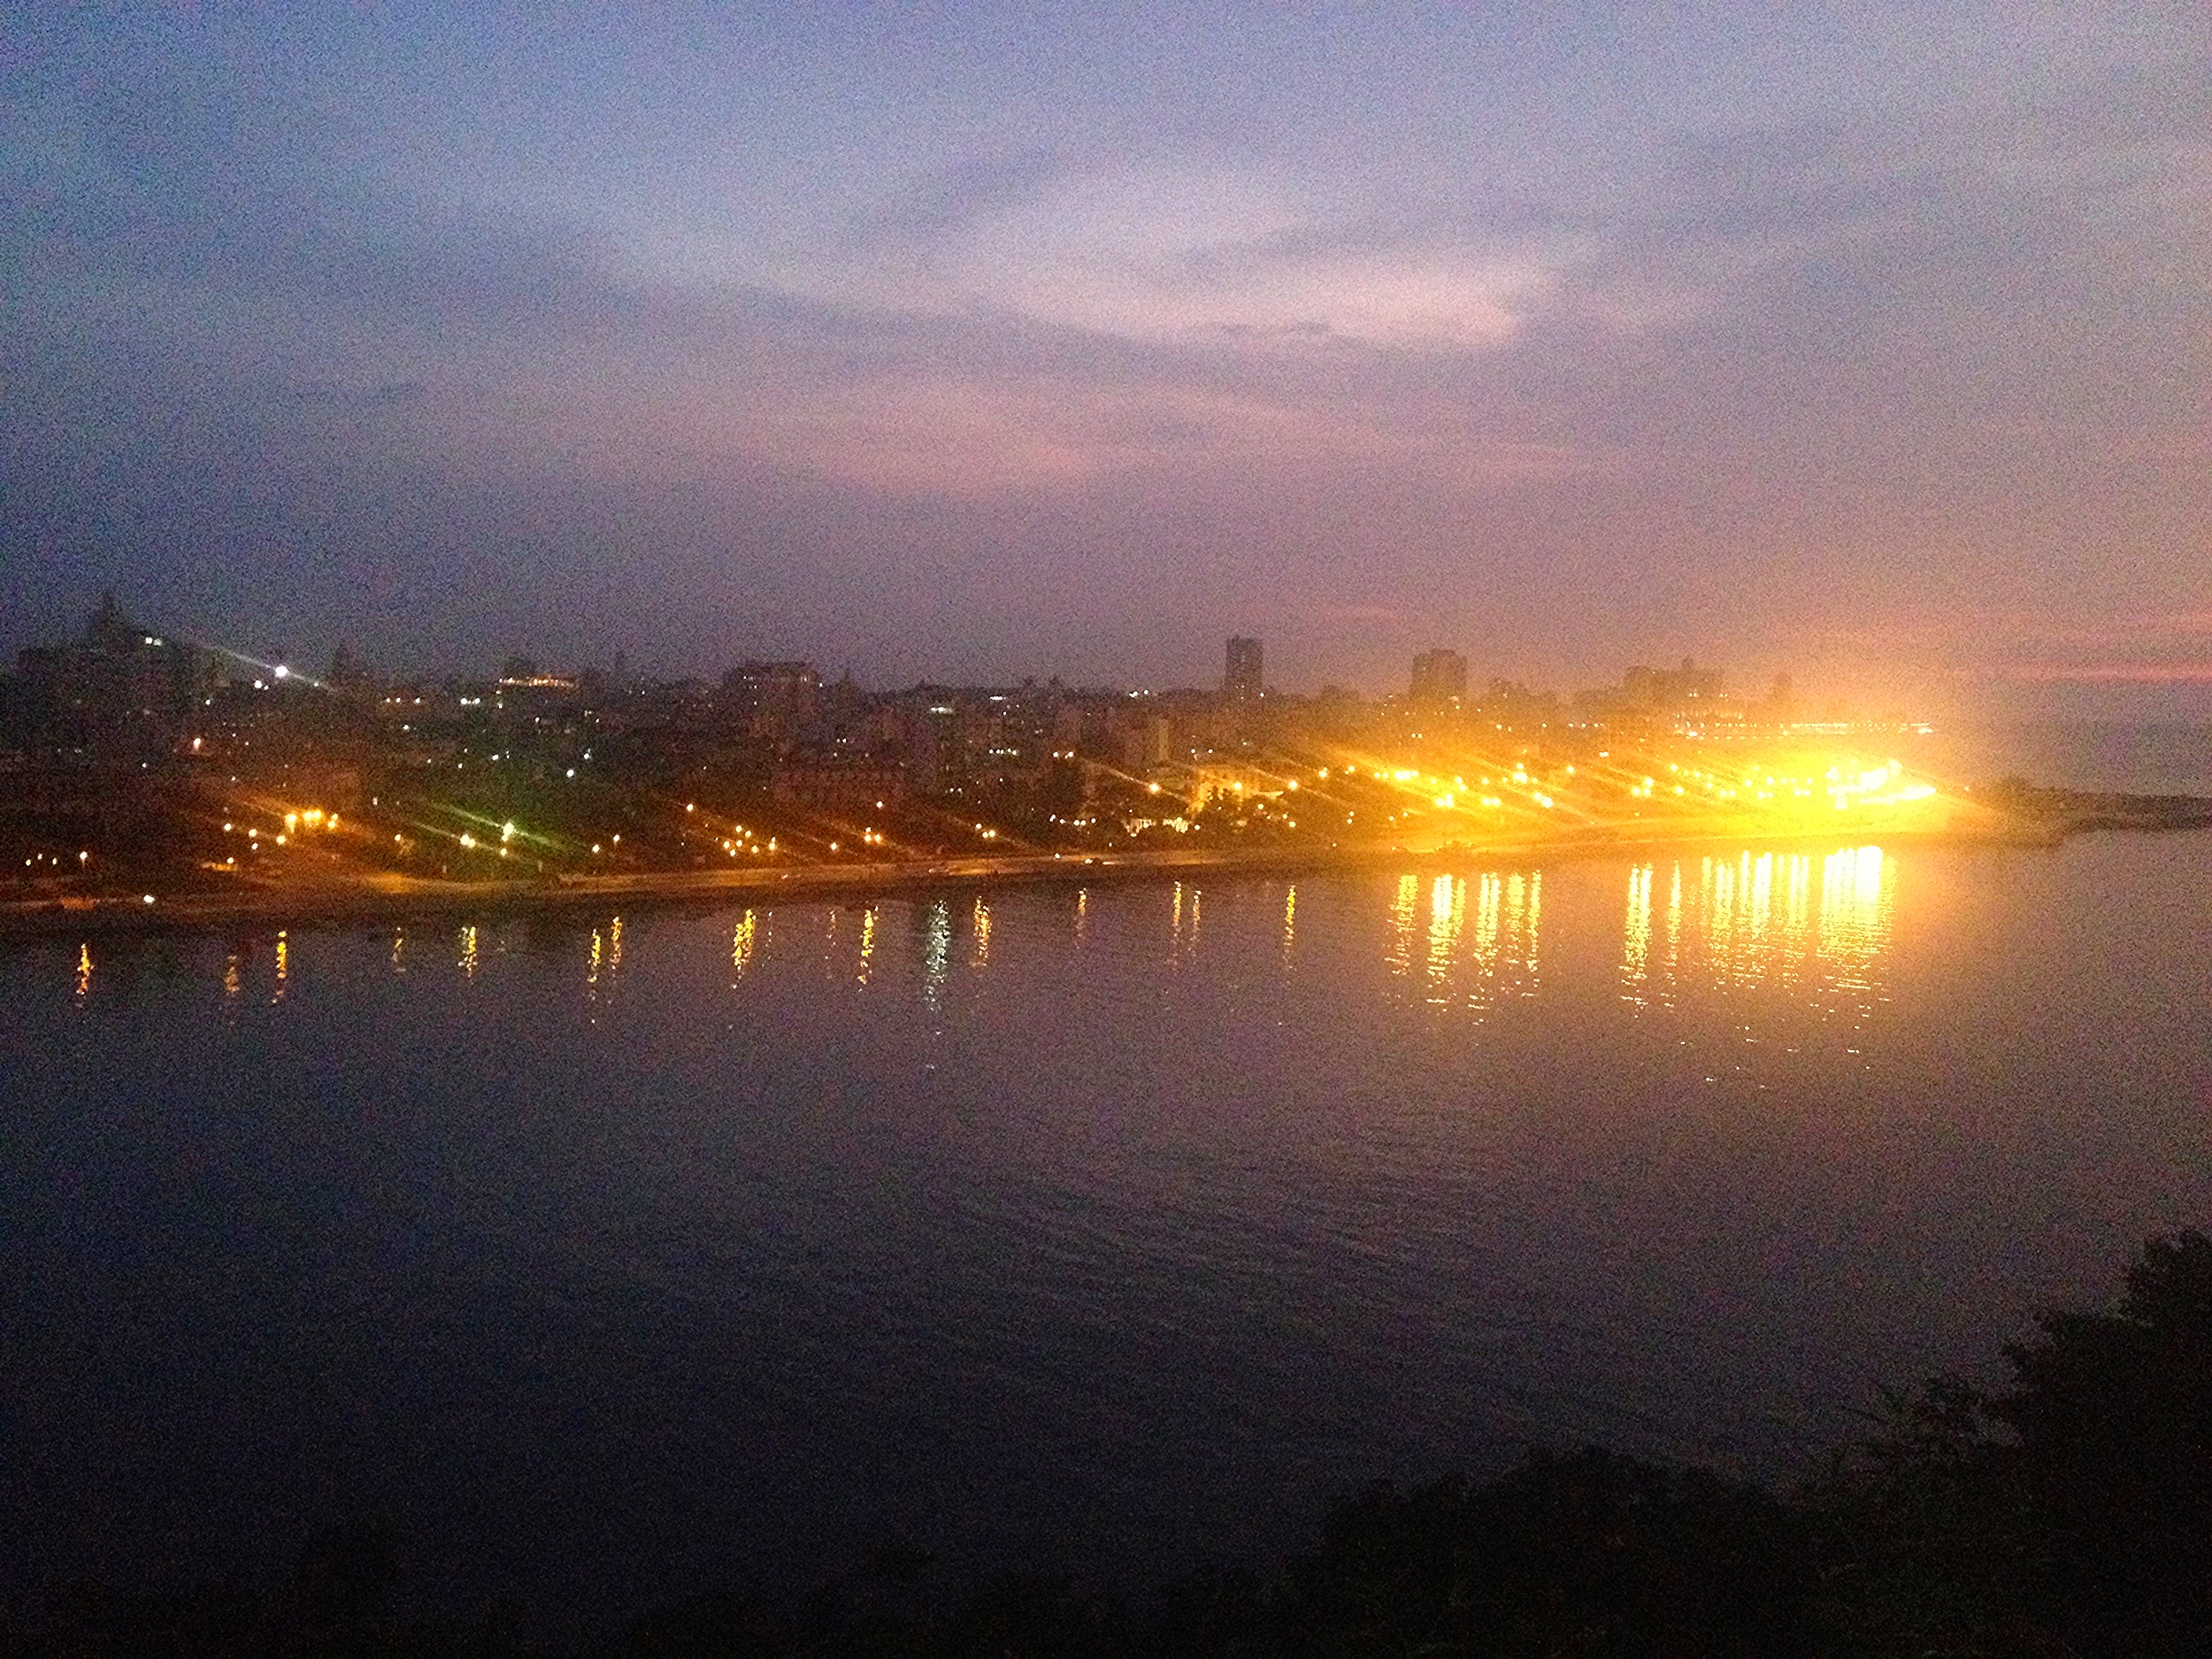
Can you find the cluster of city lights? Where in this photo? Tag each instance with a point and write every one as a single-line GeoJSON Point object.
{"type": "Point", "coordinates": [1470, 798]}
{"type": "Point", "coordinates": [295, 821]}
{"type": "Point", "coordinates": [739, 839]}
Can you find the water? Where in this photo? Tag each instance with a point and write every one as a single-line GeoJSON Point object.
{"type": "Point", "coordinates": [1093, 1228]}
{"type": "Point", "coordinates": [2171, 758]}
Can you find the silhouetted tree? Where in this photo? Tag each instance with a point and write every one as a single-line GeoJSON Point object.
{"type": "Point", "coordinates": [1591, 1553]}
{"type": "Point", "coordinates": [2112, 1415]}
{"type": "Point", "coordinates": [2069, 1513]}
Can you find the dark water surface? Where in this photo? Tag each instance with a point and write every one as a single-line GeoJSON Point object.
{"type": "Point", "coordinates": [618, 1259]}
{"type": "Point", "coordinates": [2171, 759]}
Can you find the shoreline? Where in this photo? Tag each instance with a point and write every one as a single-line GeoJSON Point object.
{"type": "Point", "coordinates": [400, 899]}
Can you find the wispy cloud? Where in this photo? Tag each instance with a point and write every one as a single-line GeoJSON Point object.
{"type": "Point", "coordinates": [1923, 373]}
{"type": "Point", "coordinates": [1168, 252]}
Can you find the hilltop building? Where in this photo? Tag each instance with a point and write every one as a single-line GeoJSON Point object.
{"type": "Point", "coordinates": [115, 694]}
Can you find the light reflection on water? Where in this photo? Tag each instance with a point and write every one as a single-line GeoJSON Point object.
{"type": "Point", "coordinates": [1179, 943]}
{"type": "Point", "coordinates": [744, 940]}
{"type": "Point", "coordinates": [1470, 962]}
{"type": "Point", "coordinates": [1815, 927]}
{"type": "Point", "coordinates": [1404, 910]}
{"type": "Point", "coordinates": [1022, 1198]}
{"type": "Point", "coordinates": [1757, 922]}
{"type": "Point", "coordinates": [1808, 932]}
{"type": "Point", "coordinates": [936, 951]}
{"type": "Point", "coordinates": [1771, 935]}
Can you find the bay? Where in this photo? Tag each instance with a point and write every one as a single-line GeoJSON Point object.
{"type": "Point", "coordinates": [1101, 1229]}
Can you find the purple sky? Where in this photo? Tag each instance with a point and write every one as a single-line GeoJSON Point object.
{"type": "Point", "coordinates": [1874, 342]}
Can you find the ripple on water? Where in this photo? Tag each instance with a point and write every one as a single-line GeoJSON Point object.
{"type": "Point", "coordinates": [1011, 1218]}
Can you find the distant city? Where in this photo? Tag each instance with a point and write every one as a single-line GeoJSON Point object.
{"type": "Point", "coordinates": [129, 755]}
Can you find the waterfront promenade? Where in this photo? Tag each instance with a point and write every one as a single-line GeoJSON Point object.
{"type": "Point", "coordinates": [378, 896]}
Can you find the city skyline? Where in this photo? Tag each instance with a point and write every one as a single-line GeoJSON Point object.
{"type": "Point", "coordinates": [978, 346]}
{"type": "Point", "coordinates": [1433, 677]}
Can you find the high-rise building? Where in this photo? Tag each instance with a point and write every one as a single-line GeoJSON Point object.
{"type": "Point", "coordinates": [1439, 677]}
{"type": "Point", "coordinates": [776, 700]}
{"type": "Point", "coordinates": [1671, 690]}
{"type": "Point", "coordinates": [1241, 680]}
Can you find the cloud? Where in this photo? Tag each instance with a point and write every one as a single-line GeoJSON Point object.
{"type": "Point", "coordinates": [947, 199]}
{"type": "Point", "coordinates": [1766, 377]}
{"type": "Point", "coordinates": [1175, 252]}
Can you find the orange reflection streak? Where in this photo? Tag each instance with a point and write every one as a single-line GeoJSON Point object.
{"type": "Point", "coordinates": [1856, 915]}
{"type": "Point", "coordinates": [1531, 919]}
{"type": "Point", "coordinates": [936, 951]}
{"type": "Point", "coordinates": [1447, 916]}
{"type": "Point", "coordinates": [1758, 922]}
{"type": "Point", "coordinates": [1508, 959]}
{"type": "Point", "coordinates": [1636, 938]}
{"type": "Point", "coordinates": [1403, 913]}
{"type": "Point", "coordinates": [741, 945]}
{"type": "Point", "coordinates": [1717, 893]}
{"type": "Point", "coordinates": [1472, 961]}
{"type": "Point", "coordinates": [1490, 898]}
{"type": "Point", "coordinates": [1674, 938]}
{"type": "Point", "coordinates": [84, 971]}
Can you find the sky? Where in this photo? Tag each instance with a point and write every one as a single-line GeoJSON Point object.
{"type": "Point", "coordinates": [1869, 343]}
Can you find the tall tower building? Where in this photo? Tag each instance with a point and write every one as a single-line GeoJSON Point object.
{"type": "Point", "coordinates": [1439, 677]}
{"type": "Point", "coordinates": [1241, 680]}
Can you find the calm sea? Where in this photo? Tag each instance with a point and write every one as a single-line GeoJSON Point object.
{"type": "Point", "coordinates": [2172, 758]}
{"type": "Point", "coordinates": [612, 1259]}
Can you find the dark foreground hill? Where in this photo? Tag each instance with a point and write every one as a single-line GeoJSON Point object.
{"type": "Point", "coordinates": [2068, 1513]}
